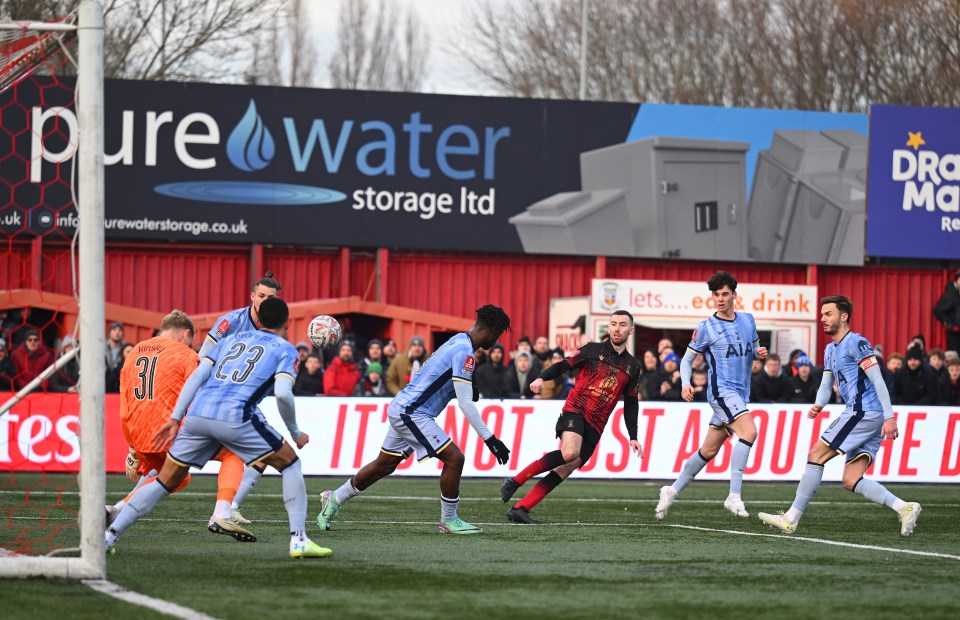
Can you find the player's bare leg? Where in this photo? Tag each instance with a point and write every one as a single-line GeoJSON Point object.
{"type": "Point", "coordinates": [709, 449]}
{"type": "Point", "coordinates": [746, 430]}
{"type": "Point", "coordinates": [570, 444]}
{"type": "Point", "coordinates": [330, 501]}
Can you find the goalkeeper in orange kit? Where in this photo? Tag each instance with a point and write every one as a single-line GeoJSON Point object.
{"type": "Point", "coordinates": [150, 382]}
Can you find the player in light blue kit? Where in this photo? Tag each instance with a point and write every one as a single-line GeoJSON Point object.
{"type": "Point", "coordinates": [867, 418]}
{"type": "Point", "coordinates": [237, 321]}
{"type": "Point", "coordinates": [414, 428]}
{"type": "Point", "coordinates": [235, 376]}
{"type": "Point", "coordinates": [729, 342]}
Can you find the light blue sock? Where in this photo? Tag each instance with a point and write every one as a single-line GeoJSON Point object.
{"type": "Point", "coordinates": [738, 462]}
{"type": "Point", "coordinates": [140, 504]}
{"type": "Point", "coordinates": [875, 492]}
{"type": "Point", "coordinates": [690, 470]}
{"type": "Point", "coordinates": [251, 476]}
{"type": "Point", "coordinates": [295, 496]}
{"type": "Point", "coordinates": [448, 508]}
{"type": "Point", "coordinates": [809, 483]}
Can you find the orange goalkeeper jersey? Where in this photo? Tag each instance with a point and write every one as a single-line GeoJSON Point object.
{"type": "Point", "coordinates": [150, 382]}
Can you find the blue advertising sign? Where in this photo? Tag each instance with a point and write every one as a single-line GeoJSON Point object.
{"type": "Point", "coordinates": [914, 182]}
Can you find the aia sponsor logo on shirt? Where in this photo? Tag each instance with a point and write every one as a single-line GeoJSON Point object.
{"type": "Point", "coordinates": [222, 327]}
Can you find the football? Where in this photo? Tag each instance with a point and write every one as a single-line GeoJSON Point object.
{"type": "Point", "coordinates": [324, 331]}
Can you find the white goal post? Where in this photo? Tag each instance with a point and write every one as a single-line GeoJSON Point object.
{"type": "Point", "coordinates": [91, 564]}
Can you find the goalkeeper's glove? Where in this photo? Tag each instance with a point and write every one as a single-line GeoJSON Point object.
{"type": "Point", "coordinates": [476, 392]}
{"type": "Point", "coordinates": [498, 448]}
{"type": "Point", "coordinates": [133, 464]}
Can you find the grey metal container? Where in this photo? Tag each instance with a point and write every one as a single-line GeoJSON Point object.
{"type": "Point", "coordinates": [683, 197]}
{"type": "Point", "coordinates": [591, 223]}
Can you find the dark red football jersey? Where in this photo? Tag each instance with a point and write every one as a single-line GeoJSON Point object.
{"type": "Point", "coordinates": [605, 376]}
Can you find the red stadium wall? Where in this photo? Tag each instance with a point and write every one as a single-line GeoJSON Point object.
{"type": "Point", "coordinates": [892, 304]}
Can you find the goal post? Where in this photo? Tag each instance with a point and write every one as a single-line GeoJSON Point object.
{"type": "Point", "coordinates": [91, 563]}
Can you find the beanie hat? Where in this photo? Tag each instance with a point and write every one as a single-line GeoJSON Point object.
{"type": "Point", "coordinates": [672, 356]}
{"type": "Point", "coordinates": [914, 353]}
{"type": "Point", "coordinates": [803, 360]}
{"type": "Point", "coordinates": [374, 367]}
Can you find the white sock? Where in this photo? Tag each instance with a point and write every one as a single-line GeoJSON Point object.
{"type": "Point", "coordinates": [448, 508]}
{"type": "Point", "coordinates": [793, 515]}
{"type": "Point", "coordinates": [295, 496]}
{"type": "Point", "coordinates": [346, 491]}
{"type": "Point", "coordinates": [898, 504]}
{"type": "Point", "coordinates": [222, 510]}
{"type": "Point", "coordinates": [251, 476]}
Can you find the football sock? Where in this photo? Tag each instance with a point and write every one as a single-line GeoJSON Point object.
{"type": "Point", "coordinates": [228, 480]}
{"type": "Point", "coordinates": [738, 462]}
{"type": "Point", "coordinates": [690, 470]}
{"type": "Point", "coordinates": [538, 492]}
{"type": "Point", "coordinates": [143, 480]}
{"type": "Point", "coordinates": [222, 510]}
{"type": "Point", "coordinates": [251, 476]}
{"type": "Point", "coordinates": [546, 462]}
{"type": "Point", "coordinates": [346, 491]}
{"type": "Point", "coordinates": [809, 483]}
{"type": "Point", "coordinates": [878, 494]}
{"type": "Point", "coordinates": [140, 504]}
{"type": "Point", "coordinates": [448, 508]}
{"type": "Point", "coordinates": [295, 496]}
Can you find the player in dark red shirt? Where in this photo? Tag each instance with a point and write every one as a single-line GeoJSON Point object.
{"type": "Point", "coordinates": [607, 372]}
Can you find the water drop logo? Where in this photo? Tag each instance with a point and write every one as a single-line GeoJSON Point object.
{"type": "Point", "coordinates": [250, 146]}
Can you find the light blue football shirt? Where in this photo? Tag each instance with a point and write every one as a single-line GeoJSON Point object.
{"type": "Point", "coordinates": [431, 389]}
{"type": "Point", "coordinates": [729, 347]}
{"type": "Point", "coordinates": [244, 368]}
{"type": "Point", "coordinates": [843, 360]}
{"type": "Point", "coordinates": [233, 322]}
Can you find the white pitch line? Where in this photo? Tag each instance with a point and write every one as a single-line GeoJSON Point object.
{"type": "Point", "coordinates": [135, 598]}
{"type": "Point", "coordinates": [577, 500]}
{"type": "Point", "coordinates": [821, 541]}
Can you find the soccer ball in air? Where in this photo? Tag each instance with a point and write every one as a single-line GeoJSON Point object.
{"type": "Point", "coordinates": [324, 331]}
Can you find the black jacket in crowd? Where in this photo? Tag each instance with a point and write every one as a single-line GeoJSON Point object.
{"type": "Point", "coordinates": [947, 310]}
{"type": "Point", "coordinates": [307, 384]}
{"type": "Point", "coordinates": [490, 379]}
{"type": "Point", "coordinates": [767, 389]}
{"type": "Point", "coordinates": [803, 391]}
{"type": "Point", "coordinates": [512, 385]}
{"type": "Point", "coordinates": [915, 387]}
{"type": "Point", "coordinates": [948, 393]}
{"type": "Point", "coordinates": [67, 377]}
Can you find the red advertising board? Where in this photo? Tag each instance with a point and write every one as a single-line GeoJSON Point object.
{"type": "Point", "coordinates": [41, 433]}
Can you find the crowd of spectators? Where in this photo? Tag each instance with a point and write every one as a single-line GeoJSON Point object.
{"type": "Point", "coordinates": [375, 368]}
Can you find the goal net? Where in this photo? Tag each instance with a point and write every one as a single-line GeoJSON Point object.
{"type": "Point", "coordinates": [51, 253]}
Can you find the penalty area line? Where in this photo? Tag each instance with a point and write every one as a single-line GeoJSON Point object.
{"type": "Point", "coordinates": [820, 541]}
{"type": "Point", "coordinates": [135, 598]}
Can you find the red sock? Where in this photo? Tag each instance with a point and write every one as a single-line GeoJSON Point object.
{"type": "Point", "coordinates": [545, 463]}
{"type": "Point", "coordinates": [538, 492]}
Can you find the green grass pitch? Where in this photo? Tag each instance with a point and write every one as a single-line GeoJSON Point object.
{"type": "Point", "coordinates": [600, 554]}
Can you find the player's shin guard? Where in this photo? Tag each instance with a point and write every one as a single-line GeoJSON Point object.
{"type": "Point", "coordinates": [251, 476]}
{"type": "Point", "coordinates": [538, 492]}
{"type": "Point", "coordinates": [806, 489]}
{"type": "Point", "coordinates": [548, 461]}
{"type": "Point", "coordinates": [738, 462]}
{"type": "Point", "coordinates": [690, 470]}
{"type": "Point", "coordinates": [875, 492]}
{"type": "Point", "coordinates": [140, 504]}
{"type": "Point", "coordinates": [295, 496]}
